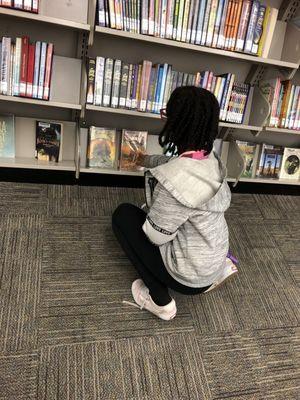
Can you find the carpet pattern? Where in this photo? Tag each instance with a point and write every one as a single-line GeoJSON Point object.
{"type": "Point", "coordinates": [65, 334]}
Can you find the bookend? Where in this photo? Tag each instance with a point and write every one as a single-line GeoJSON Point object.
{"type": "Point", "coordinates": [236, 162]}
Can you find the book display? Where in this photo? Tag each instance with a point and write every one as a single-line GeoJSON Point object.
{"type": "Point", "coordinates": [86, 80]}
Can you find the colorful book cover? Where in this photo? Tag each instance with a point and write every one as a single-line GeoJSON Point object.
{"type": "Point", "coordinates": [248, 150]}
{"type": "Point", "coordinates": [48, 72]}
{"type": "Point", "coordinates": [36, 70]}
{"type": "Point", "coordinates": [290, 168]}
{"type": "Point", "coordinates": [116, 80]}
{"type": "Point", "coordinates": [217, 26]}
{"type": "Point", "coordinates": [99, 76]}
{"type": "Point", "coordinates": [133, 143]}
{"type": "Point", "coordinates": [7, 136]}
{"type": "Point", "coordinates": [48, 141]}
{"type": "Point", "coordinates": [251, 26]}
{"type": "Point", "coordinates": [270, 161]}
{"type": "Point", "coordinates": [258, 29]}
{"type": "Point", "coordinates": [42, 71]}
{"type": "Point", "coordinates": [236, 23]}
{"type": "Point", "coordinates": [264, 31]}
{"type": "Point", "coordinates": [124, 85]}
{"type": "Point", "coordinates": [101, 148]}
{"type": "Point", "coordinates": [221, 33]}
{"type": "Point", "coordinates": [108, 72]}
{"type": "Point", "coordinates": [91, 81]}
{"type": "Point", "coordinates": [211, 22]}
{"type": "Point", "coordinates": [195, 21]}
{"type": "Point", "coordinates": [243, 25]}
{"type": "Point", "coordinates": [205, 21]}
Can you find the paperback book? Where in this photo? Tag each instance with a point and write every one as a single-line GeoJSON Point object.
{"type": "Point", "coordinates": [133, 143]}
{"type": "Point", "coordinates": [7, 136]}
{"type": "Point", "coordinates": [290, 168]}
{"type": "Point", "coordinates": [101, 148]}
{"type": "Point", "coordinates": [270, 161]}
{"type": "Point", "coordinates": [48, 141]}
{"type": "Point", "coordinates": [249, 151]}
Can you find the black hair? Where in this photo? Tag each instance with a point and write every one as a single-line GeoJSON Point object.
{"type": "Point", "coordinates": [192, 120]}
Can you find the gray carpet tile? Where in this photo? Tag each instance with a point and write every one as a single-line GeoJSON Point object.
{"type": "Point", "coordinates": [65, 333]}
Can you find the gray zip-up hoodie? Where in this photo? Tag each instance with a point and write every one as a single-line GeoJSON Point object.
{"type": "Point", "coordinates": [186, 217]}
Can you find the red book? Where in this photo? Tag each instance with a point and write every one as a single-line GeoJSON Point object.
{"type": "Point", "coordinates": [24, 65]}
{"type": "Point", "coordinates": [30, 70]}
{"type": "Point", "coordinates": [47, 80]}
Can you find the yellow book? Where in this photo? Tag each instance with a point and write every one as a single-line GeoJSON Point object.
{"type": "Point", "coordinates": [217, 88]}
{"type": "Point", "coordinates": [264, 32]}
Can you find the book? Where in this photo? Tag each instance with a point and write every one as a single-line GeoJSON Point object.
{"type": "Point", "coordinates": [108, 73]}
{"type": "Point", "coordinates": [5, 65]}
{"type": "Point", "coordinates": [195, 21]}
{"type": "Point", "coordinates": [229, 22]}
{"type": "Point", "coordinates": [146, 72]}
{"type": "Point", "coordinates": [236, 23]}
{"type": "Point", "coordinates": [270, 161]}
{"type": "Point", "coordinates": [243, 25]}
{"type": "Point", "coordinates": [30, 70]}
{"type": "Point", "coordinates": [151, 17]}
{"type": "Point", "coordinates": [290, 101]}
{"type": "Point", "coordinates": [220, 8]}
{"type": "Point", "coordinates": [112, 14]}
{"type": "Point", "coordinates": [258, 29]}
{"type": "Point", "coordinates": [48, 70]}
{"type": "Point", "coordinates": [48, 141]}
{"type": "Point", "coordinates": [101, 13]}
{"type": "Point", "coordinates": [251, 27]}
{"type": "Point", "coordinates": [163, 18]}
{"type": "Point", "coordinates": [7, 136]}
{"type": "Point", "coordinates": [175, 20]}
{"type": "Point", "coordinates": [35, 6]}
{"type": "Point", "coordinates": [18, 4]}
{"type": "Point", "coordinates": [102, 148]}
{"type": "Point", "coordinates": [24, 65]}
{"type": "Point", "coordinates": [268, 32]}
{"type": "Point", "coordinates": [205, 22]}
{"type": "Point", "coordinates": [294, 108]}
{"type": "Point", "coordinates": [249, 151]}
{"type": "Point", "coordinates": [42, 70]}
{"type": "Point", "coordinates": [99, 76]}
{"type": "Point", "coordinates": [270, 89]}
{"type": "Point", "coordinates": [220, 42]}
{"type": "Point", "coordinates": [180, 19]}
{"type": "Point", "coordinates": [191, 18]}
{"type": "Point", "coordinates": [170, 18]}
{"type": "Point", "coordinates": [290, 168]}
{"type": "Point", "coordinates": [36, 70]}
{"type": "Point", "coordinates": [133, 143]}
{"type": "Point", "coordinates": [211, 22]}
{"type": "Point", "coordinates": [91, 81]}
{"type": "Point", "coordinates": [144, 17]}
{"type": "Point", "coordinates": [185, 20]}
{"type": "Point", "coordinates": [116, 80]}
{"type": "Point", "coordinates": [284, 107]}
{"type": "Point", "coordinates": [11, 69]}
{"type": "Point", "coordinates": [27, 5]}
{"type": "Point", "coordinates": [17, 67]}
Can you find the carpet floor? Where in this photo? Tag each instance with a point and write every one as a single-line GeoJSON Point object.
{"type": "Point", "coordinates": [65, 334]}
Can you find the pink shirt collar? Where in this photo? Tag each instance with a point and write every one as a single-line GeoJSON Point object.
{"type": "Point", "coordinates": [196, 155]}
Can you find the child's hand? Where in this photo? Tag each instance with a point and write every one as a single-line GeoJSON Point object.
{"type": "Point", "coordinates": [140, 159]}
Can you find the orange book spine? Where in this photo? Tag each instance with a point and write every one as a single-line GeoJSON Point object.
{"type": "Point", "coordinates": [227, 21]}
{"type": "Point", "coordinates": [236, 24]}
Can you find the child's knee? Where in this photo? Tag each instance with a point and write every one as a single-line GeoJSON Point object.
{"type": "Point", "coordinates": [121, 212]}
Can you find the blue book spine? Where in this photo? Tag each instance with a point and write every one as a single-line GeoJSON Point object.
{"type": "Point", "coordinates": [251, 26]}
{"type": "Point", "coordinates": [162, 87]}
{"type": "Point", "coordinates": [200, 21]}
{"type": "Point", "coordinates": [225, 91]}
{"type": "Point", "coordinates": [36, 70]}
{"type": "Point", "coordinates": [218, 23]}
{"type": "Point", "coordinates": [158, 86]}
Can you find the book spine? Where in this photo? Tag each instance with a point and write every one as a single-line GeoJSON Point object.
{"type": "Point", "coordinates": [36, 70]}
{"type": "Point", "coordinates": [124, 15]}
{"type": "Point", "coordinates": [112, 14]}
{"type": "Point", "coordinates": [30, 71]}
{"type": "Point", "coordinates": [5, 64]}
{"type": "Point", "coordinates": [146, 85]}
{"type": "Point", "coordinates": [7, 3]}
{"type": "Point", "coordinates": [27, 5]}
{"type": "Point", "coordinates": [190, 21]}
{"type": "Point", "coordinates": [157, 89]}
{"type": "Point", "coordinates": [163, 18]}
{"type": "Point", "coordinates": [287, 90]}
{"type": "Point", "coordinates": [108, 72]}
{"type": "Point", "coordinates": [115, 91]}
{"type": "Point", "coordinates": [228, 94]}
{"type": "Point", "coordinates": [290, 102]}
{"type": "Point", "coordinates": [124, 84]}
{"type": "Point", "coordinates": [17, 67]}
{"type": "Point", "coordinates": [205, 22]}
{"type": "Point", "coordinates": [297, 117]}
{"type": "Point", "coordinates": [218, 23]}
{"type": "Point", "coordinates": [134, 78]}
{"type": "Point", "coordinates": [17, 4]}
{"type": "Point", "coordinates": [99, 76]}
{"type": "Point", "coordinates": [242, 31]}
{"type": "Point", "coordinates": [195, 21]}
{"type": "Point", "coordinates": [128, 94]}
{"type": "Point", "coordinates": [101, 13]}
{"type": "Point", "coordinates": [180, 19]}
{"type": "Point", "coordinates": [138, 16]}
{"type": "Point", "coordinates": [91, 81]}
{"type": "Point", "coordinates": [221, 35]}
{"type": "Point", "coordinates": [157, 17]}
{"type": "Point", "coordinates": [144, 7]}
{"type": "Point", "coordinates": [200, 22]}
{"type": "Point", "coordinates": [169, 18]}
{"type": "Point", "coordinates": [211, 22]}
{"type": "Point", "coordinates": [24, 64]}
{"type": "Point", "coordinates": [229, 18]}
{"type": "Point", "coordinates": [185, 20]}
{"type": "Point", "coordinates": [107, 19]}
{"type": "Point", "coordinates": [221, 91]}
{"type": "Point", "coordinates": [35, 6]}
{"type": "Point", "coordinates": [166, 94]}
{"type": "Point", "coordinates": [294, 108]}
{"type": "Point", "coordinates": [150, 89]}
{"type": "Point", "coordinates": [258, 29]}
{"type": "Point", "coordinates": [251, 27]}
{"type": "Point", "coordinates": [209, 81]}
{"type": "Point", "coordinates": [48, 72]}
{"type": "Point", "coordinates": [11, 68]}
{"type": "Point", "coordinates": [137, 87]}
{"type": "Point", "coordinates": [279, 104]}
{"type": "Point", "coordinates": [42, 70]}
{"type": "Point", "coordinates": [274, 103]}
{"type": "Point", "coordinates": [264, 31]}
{"type": "Point", "coordinates": [151, 17]}
{"type": "Point", "coordinates": [237, 19]}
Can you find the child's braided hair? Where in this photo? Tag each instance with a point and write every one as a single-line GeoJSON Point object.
{"type": "Point", "coordinates": [192, 120]}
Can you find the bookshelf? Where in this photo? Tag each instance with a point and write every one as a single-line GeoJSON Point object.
{"type": "Point", "coordinates": [72, 30]}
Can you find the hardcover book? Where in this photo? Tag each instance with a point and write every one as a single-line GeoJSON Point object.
{"type": "Point", "coordinates": [270, 161]}
{"type": "Point", "coordinates": [133, 143]}
{"type": "Point", "coordinates": [101, 148]}
{"type": "Point", "coordinates": [48, 141]}
{"type": "Point", "coordinates": [7, 136]}
{"type": "Point", "coordinates": [290, 168]}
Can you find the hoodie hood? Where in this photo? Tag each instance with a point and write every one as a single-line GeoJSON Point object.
{"type": "Point", "coordinates": [199, 184]}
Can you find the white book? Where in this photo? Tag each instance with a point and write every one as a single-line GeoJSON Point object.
{"type": "Point", "coordinates": [42, 70]}
{"type": "Point", "coordinates": [27, 5]}
{"type": "Point", "coordinates": [116, 84]}
{"type": "Point", "coordinates": [294, 107]}
{"type": "Point", "coordinates": [99, 75]}
{"type": "Point", "coordinates": [18, 4]}
{"type": "Point", "coordinates": [36, 70]}
{"type": "Point", "coordinates": [17, 67]}
{"type": "Point", "coordinates": [11, 75]}
{"type": "Point", "coordinates": [291, 98]}
{"type": "Point", "coordinates": [35, 5]}
{"type": "Point", "coordinates": [5, 64]}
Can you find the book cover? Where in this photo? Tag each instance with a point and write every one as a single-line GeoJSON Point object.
{"type": "Point", "coordinates": [151, 17]}
{"type": "Point", "coordinates": [243, 25]}
{"type": "Point", "coordinates": [35, 6]}
{"type": "Point", "coordinates": [48, 141]}
{"type": "Point", "coordinates": [286, 93]}
{"type": "Point", "coordinates": [221, 35]}
{"type": "Point", "coordinates": [129, 82]}
{"type": "Point", "coordinates": [185, 20]}
{"type": "Point", "coordinates": [7, 136]}
{"type": "Point", "coordinates": [229, 22]}
{"type": "Point", "coordinates": [294, 107]}
{"type": "Point", "coordinates": [264, 31]}
{"type": "Point", "coordinates": [115, 91]}
{"type": "Point", "coordinates": [101, 148]}
{"type": "Point", "coordinates": [290, 168]}
{"type": "Point", "coordinates": [191, 17]}
{"type": "Point", "coordinates": [91, 81]}
{"type": "Point", "coordinates": [17, 67]}
{"type": "Point", "coordinates": [270, 27]}
{"type": "Point", "coordinates": [180, 19]}
{"type": "Point", "coordinates": [27, 5]}
{"type": "Point", "coordinates": [108, 72]}
{"type": "Point", "coordinates": [251, 27]}
{"type": "Point", "coordinates": [133, 142]}
{"type": "Point", "coordinates": [221, 5]}
{"type": "Point", "coordinates": [258, 29]}
{"type": "Point", "coordinates": [24, 65]}
{"type": "Point", "coordinates": [101, 13]}
{"type": "Point", "coordinates": [42, 70]}
{"type": "Point", "coordinates": [290, 101]}
{"type": "Point", "coordinates": [124, 84]}
{"type": "Point", "coordinates": [195, 21]}
{"type": "Point", "coordinates": [5, 65]}
{"type": "Point", "coordinates": [248, 150]}
{"type": "Point", "coordinates": [205, 21]}
{"type": "Point", "coordinates": [270, 161]}
{"type": "Point", "coordinates": [36, 70]}
{"type": "Point", "coordinates": [211, 22]}
{"type": "Point", "coordinates": [163, 18]}
{"type": "Point", "coordinates": [30, 71]}
{"type": "Point", "coordinates": [99, 76]}
{"type": "Point", "coordinates": [236, 22]}
{"type": "Point", "coordinates": [145, 11]}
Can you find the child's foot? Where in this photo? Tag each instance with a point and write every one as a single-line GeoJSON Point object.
{"type": "Point", "coordinates": [143, 300]}
{"type": "Point", "coordinates": [229, 271]}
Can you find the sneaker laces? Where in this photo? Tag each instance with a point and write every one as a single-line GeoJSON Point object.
{"type": "Point", "coordinates": [145, 296]}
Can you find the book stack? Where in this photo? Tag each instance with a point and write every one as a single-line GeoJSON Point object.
{"type": "Point", "coordinates": [25, 68]}
{"type": "Point", "coordinates": [270, 161]}
{"type": "Point", "coordinates": [235, 25]}
{"type": "Point", "coordinates": [146, 87]}
{"type": "Point", "coordinates": [106, 151]}
{"type": "Point", "coordinates": [284, 99]}
{"type": "Point", "coordinates": [24, 5]}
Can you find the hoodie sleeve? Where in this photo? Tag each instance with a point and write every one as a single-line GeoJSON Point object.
{"type": "Point", "coordinates": [165, 217]}
{"type": "Point", "coordinates": [155, 160]}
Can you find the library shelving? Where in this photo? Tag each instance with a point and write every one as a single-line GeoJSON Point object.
{"type": "Point", "coordinates": [73, 31]}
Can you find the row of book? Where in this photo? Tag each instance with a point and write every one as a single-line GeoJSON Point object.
{"type": "Point", "coordinates": [270, 161]}
{"type": "Point", "coordinates": [24, 5]}
{"type": "Point", "coordinates": [25, 68]}
{"type": "Point", "coordinates": [48, 139]}
{"type": "Point", "coordinates": [237, 25]}
{"type": "Point", "coordinates": [284, 100]}
{"type": "Point", "coordinates": [146, 87]}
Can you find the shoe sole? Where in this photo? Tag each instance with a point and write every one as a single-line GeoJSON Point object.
{"type": "Point", "coordinates": [222, 283]}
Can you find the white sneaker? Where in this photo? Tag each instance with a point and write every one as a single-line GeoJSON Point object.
{"type": "Point", "coordinates": [143, 300]}
{"type": "Point", "coordinates": [229, 270]}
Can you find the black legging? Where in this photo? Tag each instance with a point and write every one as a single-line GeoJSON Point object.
{"type": "Point", "coordinates": [127, 222]}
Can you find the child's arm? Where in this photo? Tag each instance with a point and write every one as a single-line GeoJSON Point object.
{"type": "Point", "coordinates": [144, 160]}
